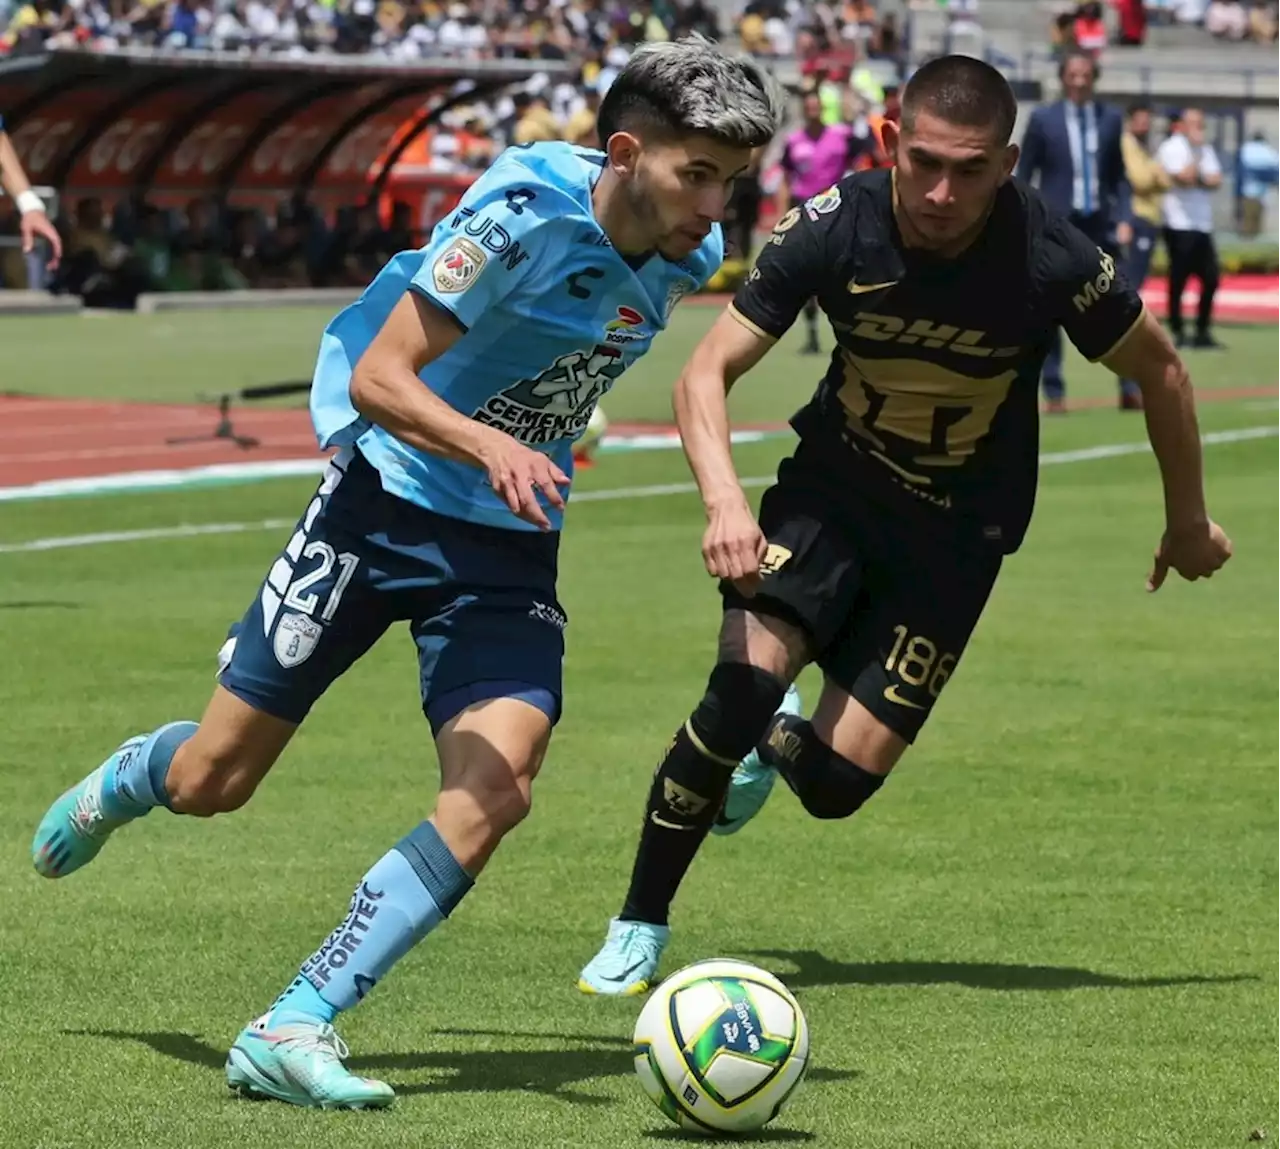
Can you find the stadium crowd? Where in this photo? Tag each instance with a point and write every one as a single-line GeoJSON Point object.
{"type": "Point", "coordinates": [400, 29]}
{"type": "Point", "coordinates": [1086, 26]}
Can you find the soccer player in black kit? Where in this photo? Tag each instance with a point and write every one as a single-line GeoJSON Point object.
{"type": "Point", "coordinates": [877, 548]}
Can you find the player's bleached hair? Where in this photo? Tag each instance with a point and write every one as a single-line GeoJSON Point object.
{"type": "Point", "coordinates": [691, 87]}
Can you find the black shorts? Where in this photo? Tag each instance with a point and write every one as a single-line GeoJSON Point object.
{"type": "Point", "coordinates": [888, 600]}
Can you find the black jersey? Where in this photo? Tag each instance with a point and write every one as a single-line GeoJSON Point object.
{"type": "Point", "coordinates": [930, 400]}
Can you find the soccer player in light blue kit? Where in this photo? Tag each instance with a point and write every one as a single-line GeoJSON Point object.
{"type": "Point", "coordinates": [454, 388]}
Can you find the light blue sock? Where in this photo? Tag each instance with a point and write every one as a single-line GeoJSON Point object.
{"type": "Point", "coordinates": [136, 783]}
{"type": "Point", "coordinates": [410, 890]}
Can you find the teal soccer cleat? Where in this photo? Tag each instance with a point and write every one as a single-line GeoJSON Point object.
{"type": "Point", "coordinates": [752, 781]}
{"type": "Point", "coordinates": [627, 962]}
{"type": "Point", "coordinates": [78, 824]}
{"type": "Point", "coordinates": [297, 1059]}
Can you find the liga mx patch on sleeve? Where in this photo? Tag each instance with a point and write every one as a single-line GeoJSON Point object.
{"type": "Point", "coordinates": [457, 267]}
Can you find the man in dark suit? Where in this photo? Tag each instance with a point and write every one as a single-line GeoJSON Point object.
{"type": "Point", "coordinates": [1073, 146]}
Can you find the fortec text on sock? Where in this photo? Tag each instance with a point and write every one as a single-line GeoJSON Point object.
{"type": "Point", "coordinates": [342, 944]}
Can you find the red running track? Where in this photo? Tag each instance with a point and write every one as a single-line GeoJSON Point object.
{"type": "Point", "coordinates": [43, 439]}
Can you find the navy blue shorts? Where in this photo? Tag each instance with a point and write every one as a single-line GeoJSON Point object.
{"type": "Point", "coordinates": [480, 601]}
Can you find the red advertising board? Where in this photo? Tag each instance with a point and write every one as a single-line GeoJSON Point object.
{"type": "Point", "coordinates": [112, 163]}
{"type": "Point", "coordinates": [195, 163]}
{"type": "Point", "coordinates": [281, 159]}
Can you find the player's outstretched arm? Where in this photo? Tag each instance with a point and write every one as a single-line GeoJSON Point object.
{"type": "Point", "coordinates": [733, 545]}
{"type": "Point", "coordinates": [34, 221]}
{"type": "Point", "coordinates": [386, 390]}
{"type": "Point", "coordinates": [1193, 544]}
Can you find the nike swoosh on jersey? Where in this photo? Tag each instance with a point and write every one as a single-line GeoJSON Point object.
{"type": "Point", "coordinates": [891, 693]}
{"type": "Point", "coordinates": [856, 288]}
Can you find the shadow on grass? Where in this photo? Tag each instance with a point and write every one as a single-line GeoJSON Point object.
{"type": "Point", "coordinates": [552, 1072]}
{"type": "Point", "coordinates": [812, 969]}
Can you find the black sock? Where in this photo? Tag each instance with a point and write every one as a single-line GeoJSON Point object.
{"type": "Point", "coordinates": [827, 785]}
{"type": "Point", "coordinates": [687, 793]}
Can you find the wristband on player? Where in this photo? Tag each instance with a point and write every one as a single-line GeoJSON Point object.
{"type": "Point", "coordinates": [29, 201]}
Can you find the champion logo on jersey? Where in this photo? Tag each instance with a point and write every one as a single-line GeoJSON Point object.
{"type": "Point", "coordinates": [623, 328]}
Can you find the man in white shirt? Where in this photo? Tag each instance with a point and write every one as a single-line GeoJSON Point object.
{"type": "Point", "coordinates": [1193, 166]}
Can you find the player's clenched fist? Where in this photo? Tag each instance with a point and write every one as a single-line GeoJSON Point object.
{"type": "Point", "coordinates": [733, 546]}
{"type": "Point", "coordinates": [1194, 552]}
{"type": "Point", "coordinates": [520, 475]}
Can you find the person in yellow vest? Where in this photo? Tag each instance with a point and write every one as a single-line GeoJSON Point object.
{"type": "Point", "coordinates": [1148, 181]}
{"type": "Point", "coordinates": [535, 121]}
{"type": "Point", "coordinates": [581, 128]}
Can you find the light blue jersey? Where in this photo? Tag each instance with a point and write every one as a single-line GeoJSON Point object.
{"type": "Point", "coordinates": [552, 316]}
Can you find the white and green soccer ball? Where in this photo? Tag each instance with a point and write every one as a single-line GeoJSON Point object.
{"type": "Point", "coordinates": [589, 441]}
{"type": "Point", "coordinates": [720, 1046]}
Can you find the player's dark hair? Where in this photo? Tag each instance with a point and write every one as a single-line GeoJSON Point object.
{"type": "Point", "coordinates": [690, 87]}
{"type": "Point", "coordinates": [961, 90]}
{"type": "Point", "coordinates": [1137, 106]}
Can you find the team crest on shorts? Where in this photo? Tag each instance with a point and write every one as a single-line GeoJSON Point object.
{"type": "Point", "coordinates": [296, 638]}
{"type": "Point", "coordinates": [457, 267]}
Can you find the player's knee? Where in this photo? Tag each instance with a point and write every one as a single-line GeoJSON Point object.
{"type": "Point", "coordinates": [828, 785]}
{"type": "Point", "coordinates": [505, 798]}
{"type": "Point", "coordinates": [203, 782]}
{"type": "Point", "coordinates": [735, 710]}
{"type": "Point", "coordinates": [841, 791]}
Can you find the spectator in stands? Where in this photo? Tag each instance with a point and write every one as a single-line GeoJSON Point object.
{"type": "Point", "coordinates": [581, 129]}
{"type": "Point", "coordinates": [814, 157]}
{"type": "Point", "coordinates": [534, 120]}
{"type": "Point", "coordinates": [1259, 169]}
{"type": "Point", "coordinates": [1193, 167]}
{"type": "Point", "coordinates": [1073, 148]}
{"type": "Point", "coordinates": [281, 257]}
{"type": "Point", "coordinates": [152, 253]}
{"type": "Point", "coordinates": [888, 45]}
{"type": "Point", "coordinates": [1090, 28]}
{"type": "Point", "coordinates": [1062, 34]}
{"type": "Point", "coordinates": [1132, 15]}
{"type": "Point", "coordinates": [1227, 19]}
{"type": "Point", "coordinates": [1262, 21]}
{"type": "Point", "coordinates": [1148, 182]}
{"type": "Point", "coordinates": [742, 213]}
{"type": "Point", "coordinates": [241, 248]}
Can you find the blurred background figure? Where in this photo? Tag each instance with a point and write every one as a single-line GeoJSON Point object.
{"type": "Point", "coordinates": [1195, 173]}
{"type": "Point", "coordinates": [1259, 169]}
{"type": "Point", "coordinates": [1072, 150]}
{"type": "Point", "coordinates": [815, 156]}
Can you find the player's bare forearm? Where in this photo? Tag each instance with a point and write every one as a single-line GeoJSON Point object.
{"type": "Point", "coordinates": [702, 416]}
{"type": "Point", "coordinates": [1175, 437]}
{"type": "Point", "coordinates": [1149, 357]}
{"type": "Point", "coordinates": [702, 411]}
{"type": "Point", "coordinates": [392, 396]}
{"type": "Point", "coordinates": [386, 389]}
{"type": "Point", "coordinates": [12, 178]}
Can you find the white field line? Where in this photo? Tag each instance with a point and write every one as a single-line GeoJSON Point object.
{"type": "Point", "coordinates": [608, 494]}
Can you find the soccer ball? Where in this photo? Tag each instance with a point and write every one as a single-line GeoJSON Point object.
{"type": "Point", "coordinates": [584, 450]}
{"type": "Point", "coordinates": [720, 1046]}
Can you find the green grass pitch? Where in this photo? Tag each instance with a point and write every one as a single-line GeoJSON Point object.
{"type": "Point", "coordinates": [1055, 927]}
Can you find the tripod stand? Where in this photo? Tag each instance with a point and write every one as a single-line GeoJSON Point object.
{"type": "Point", "coordinates": [225, 429]}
